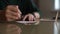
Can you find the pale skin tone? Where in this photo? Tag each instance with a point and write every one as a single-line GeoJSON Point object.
{"type": "Point", "coordinates": [13, 13]}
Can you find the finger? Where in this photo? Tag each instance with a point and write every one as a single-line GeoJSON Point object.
{"type": "Point", "coordinates": [13, 8]}
{"type": "Point", "coordinates": [19, 13]}
{"type": "Point", "coordinates": [25, 17]}
{"type": "Point", "coordinates": [31, 17]}
{"type": "Point", "coordinates": [13, 13]}
{"type": "Point", "coordinates": [11, 17]}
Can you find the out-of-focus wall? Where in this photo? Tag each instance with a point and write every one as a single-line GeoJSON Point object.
{"type": "Point", "coordinates": [46, 7]}
{"type": "Point", "coordinates": [43, 27]}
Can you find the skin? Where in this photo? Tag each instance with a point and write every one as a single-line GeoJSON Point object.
{"type": "Point", "coordinates": [13, 13]}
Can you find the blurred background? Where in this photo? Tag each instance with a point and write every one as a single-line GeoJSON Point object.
{"type": "Point", "coordinates": [45, 27]}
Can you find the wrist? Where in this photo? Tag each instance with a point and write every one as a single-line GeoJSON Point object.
{"type": "Point", "coordinates": [36, 14]}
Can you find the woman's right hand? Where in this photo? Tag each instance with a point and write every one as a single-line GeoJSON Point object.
{"type": "Point", "coordinates": [12, 13]}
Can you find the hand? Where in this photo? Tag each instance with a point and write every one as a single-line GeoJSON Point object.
{"type": "Point", "coordinates": [12, 13]}
{"type": "Point", "coordinates": [37, 17]}
{"type": "Point", "coordinates": [29, 16]}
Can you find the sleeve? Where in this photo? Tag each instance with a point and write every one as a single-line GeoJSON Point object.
{"type": "Point", "coordinates": [2, 4]}
{"type": "Point", "coordinates": [35, 8]}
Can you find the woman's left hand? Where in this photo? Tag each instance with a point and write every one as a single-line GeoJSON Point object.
{"type": "Point", "coordinates": [29, 16]}
{"type": "Point", "coordinates": [37, 17]}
